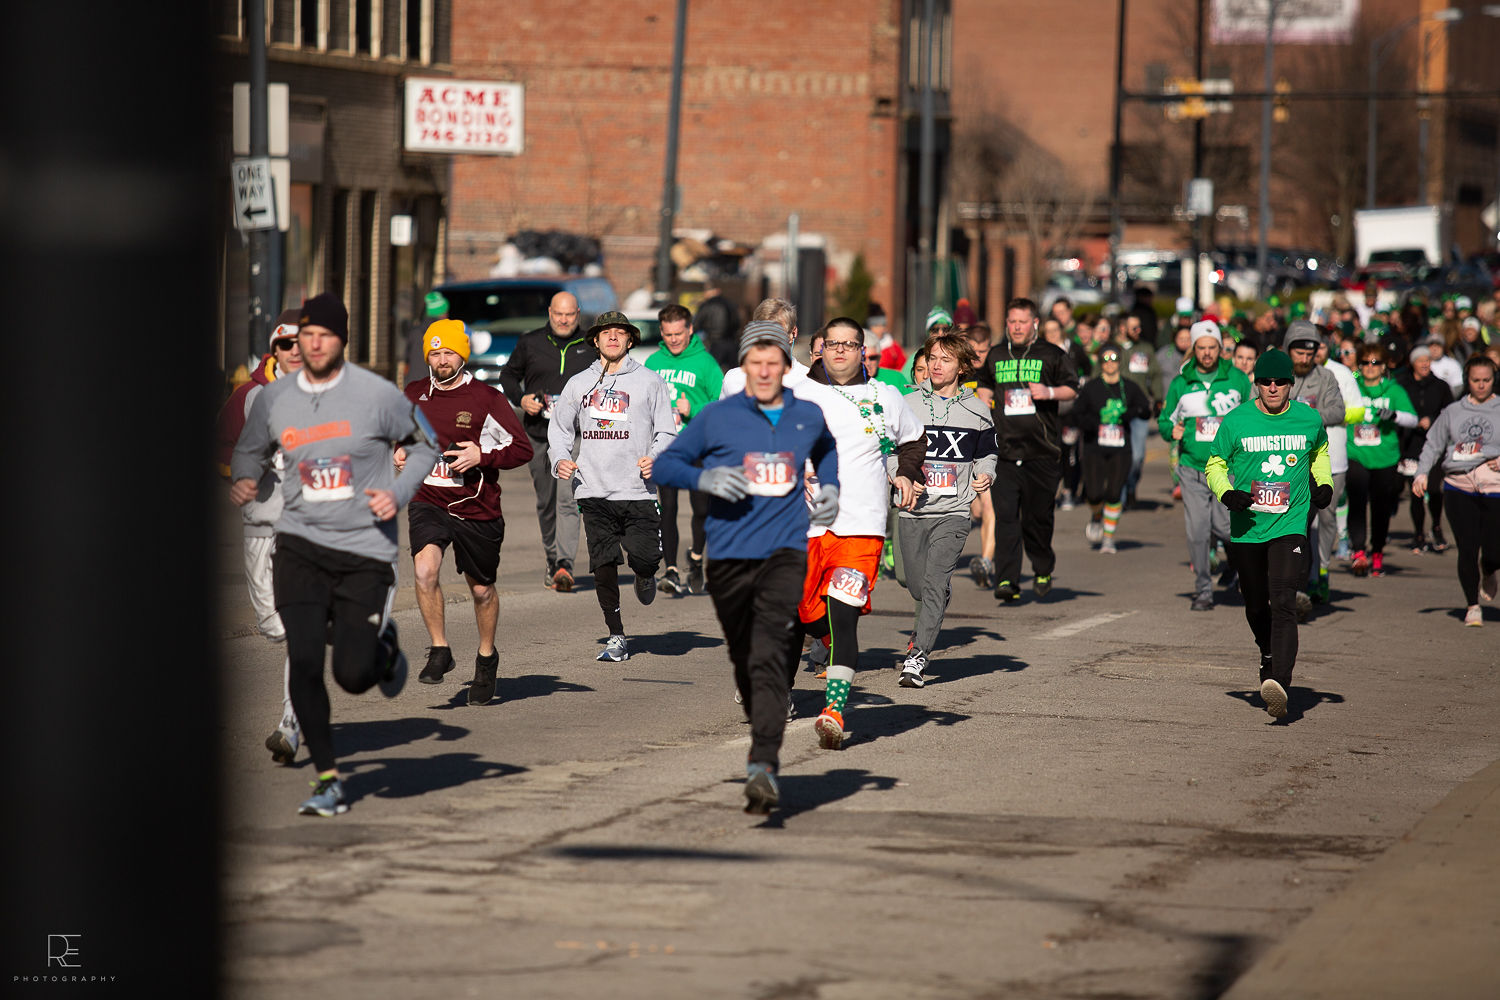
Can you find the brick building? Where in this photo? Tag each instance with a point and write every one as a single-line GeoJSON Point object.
{"type": "Point", "coordinates": [344, 62]}
{"type": "Point", "coordinates": [789, 108]}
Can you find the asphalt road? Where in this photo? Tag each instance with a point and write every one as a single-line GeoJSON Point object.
{"type": "Point", "coordinates": [1085, 801]}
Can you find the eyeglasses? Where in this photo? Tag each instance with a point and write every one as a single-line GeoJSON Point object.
{"type": "Point", "coordinates": [1372, 363]}
{"type": "Point", "coordinates": [285, 344]}
{"type": "Point", "coordinates": [840, 346]}
{"type": "Point", "coordinates": [1279, 382]}
{"type": "Point", "coordinates": [1347, 350]}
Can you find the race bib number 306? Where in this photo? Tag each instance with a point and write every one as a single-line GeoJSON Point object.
{"type": "Point", "coordinates": [771, 473]}
{"type": "Point", "coordinates": [325, 479]}
{"type": "Point", "coordinates": [1270, 498]}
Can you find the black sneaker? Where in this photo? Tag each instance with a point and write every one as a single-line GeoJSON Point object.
{"type": "Point", "coordinates": [671, 583]}
{"type": "Point", "coordinates": [1202, 604]}
{"type": "Point", "coordinates": [1265, 667]}
{"type": "Point", "coordinates": [547, 578]}
{"type": "Point", "coordinates": [439, 662]}
{"type": "Point", "coordinates": [1042, 585]}
{"type": "Point", "coordinates": [645, 587]}
{"type": "Point", "coordinates": [695, 575]}
{"type": "Point", "coordinates": [482, 687]}
{"type": "Point", "coordinates": [392, 660]}
{"type": "Point", "coordinates": [1007, 592]}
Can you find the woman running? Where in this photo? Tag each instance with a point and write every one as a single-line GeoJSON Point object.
{"type": "Point", "coordinates": [1103, 411]}
{"type": "Point", "coordinates": [1373, 454]}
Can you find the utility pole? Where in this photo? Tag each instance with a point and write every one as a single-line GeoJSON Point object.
{"type": "Point", "coordinates": [1198, 165]}
{"type": "Point", "coordinates": [264, 261]}
{"type": "Point", "coordinates": [669, 181]}
{"type": "Point", "coordinates": [922, 294]}
{"type": "Point", "coordinates": [1265, 142]}
{"type": "Point", "coordinates": [1115, 155]}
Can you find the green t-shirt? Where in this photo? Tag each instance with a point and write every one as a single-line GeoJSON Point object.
{"type": "Point", "coordinates": [1271, 458]}
{"type": "Point", "coordinates": [1372, 441]}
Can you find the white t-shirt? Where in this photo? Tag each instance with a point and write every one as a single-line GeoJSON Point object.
{"type": "Point", "coordinates": [864, 489]}
{"type": "Point", "coordinates": [1338, 436]}
{"type": "Point", "coordinates": [734, 379]}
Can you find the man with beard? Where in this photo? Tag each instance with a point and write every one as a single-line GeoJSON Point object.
{"type": "Point", "coordinates": [1316, 386]}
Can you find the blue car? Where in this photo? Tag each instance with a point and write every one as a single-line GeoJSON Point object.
{"type": "Point", "coordinates": [498, 310]}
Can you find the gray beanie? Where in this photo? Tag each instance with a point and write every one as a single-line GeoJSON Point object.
{"type": "Point", "coordinates": [1300, 331]}
{"type": "Point", "coordinates": [763, 331]}
{"type": "Point", "coordinates": [1419, 352]}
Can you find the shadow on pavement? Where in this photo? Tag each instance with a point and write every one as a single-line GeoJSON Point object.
{"type": "Point", "coordinates": [363, 737]}
{"type": "Point", "coordinates": [611, 852]}
{"type": "Point", "coordinates": [508, 689]}
{"type": "Point", "coordinates": [965, 635]}
{"type": "Point", "coordinates": [1054, 596]}
{"type": "Point", "coordinates": [674, 643]}
{"type": "Point", "coordinates": [400, 778]}
{"type": "Point", "coordinates": [802, 793]}
{"type": "Point", "coordinates": [943, 669]}
{"type": "Point", "coordinates": [1491, 612]}
{"type": "Point", "coordinates": [873, 716]}
{"type": "Point", "coordinates": [1299, 701]}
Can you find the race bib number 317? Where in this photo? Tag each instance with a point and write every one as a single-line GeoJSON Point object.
{"type": "Point", "coordinates": [325, 479]}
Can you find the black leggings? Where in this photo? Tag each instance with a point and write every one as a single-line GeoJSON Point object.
{"type": "Point", "coordinates": [1373, 490]}
{"type": "Point", "coordinates": [1270, 575]}
{"type": "Point", "coordinates": [1476, 532]}
{"type": "Point", "coordinates": [1433, 501]}
{"type": "Point", "coordinates": [666, 496]}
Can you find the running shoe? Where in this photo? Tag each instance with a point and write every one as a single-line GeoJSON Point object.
{"type": "Point", "coordinates": [1438, 543]}
{"type": "Point", "coordinates": [791, 707]}
{"type": "Point", "coordinates": [645, 587]}
{"type": "Point", "coordinates": [1359, 563]}
{"type": "Point", "coordinates": [482, 687]}
{"type": "Point", "coordinates": [1007, 592]}
{"type": "Point", "coordinates": [1473, 617]}
{"type": "Point", "coordinates": [1042, 585]}
{"type": "Point", "coordinates": [1490, 585]}
{"type": "Point", "coordinates": [1093, 531]}
{"type": "Point", "coordinates": [912, 669]}
{"type": "Point", "coordinates": [1319, 590]}
{"type": "Point", "coordinates": [761, 793]}
{"type": "Point", "coordinates": [983, 571]}
{"type": "Point", "coordinates": [1202, 604]}
{"type": "Point", "coordinates": [615, 649]}
{"type": "Point", "coordinates": [392, 660]}
{"type": "Point", "coordinates": [1108, 545]}
{"type": "Point", "coordinates": [1343, 550]}
{"type": "Point", "coordinates": [1377, 564]}
{"type": "Point", "coordinates": [283, 742]}
{"type": "Point", "coordinates": [695, 576]}
{"type": "Point", "coordinates": [562, 579]}
{"type": "Point", "coordinates": [547, 577]}
{"type": "Point", "coordinates": [1177, 492]}
{"type": "Point", "coordinates": [439, 662]}
{"type": "Point", "coordinates": [327, 799]}
{"type": "Point", "coordinates": [817, 656]}
{"type": "Point", "coordinates": [1418, 544]}
{"type": "Point", "coordinates": [1067, 502]}
{"type": "Point", "coordinates": [1304, 606]}
{"type": "Point", "coordinates": [671, 583]}
{"type": "Point", "coordinates": [1274, 695]}
{"type": "Point", "coordinates": [830, 729]}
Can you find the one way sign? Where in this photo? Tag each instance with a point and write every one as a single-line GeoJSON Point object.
{"type": "Point", "coordinates": [254, 198]}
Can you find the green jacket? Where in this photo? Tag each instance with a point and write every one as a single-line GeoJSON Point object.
{"type": "Point", "coordinates": [1199, 402]}
{"type": "Point", "coordinates": [1372, 424]}
{"type": "Point", "coordinates": [693, 374]}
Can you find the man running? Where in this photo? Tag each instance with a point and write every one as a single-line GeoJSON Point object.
{"type": "Point", "coordinates": [752, 448]}
{"type": "Point", "coordinates": [869, 422]}
{"type": "Point", "coordinates": [1202, 394]}
{"type": "Point", "coordinates": [693, 381]}
{"type": "Point", "coordinates": [959, 464]}
{"type": "Point", "coordinates": [783, 314]}
{"type": "Point", "coordinates": [1276, 452]}
{"type": "Point", "coordinates": [1317, 387]}
{"type": "Point", "coordinates": [458, 503]}
{"type": "Point", "coordinates": [618, 415]}
{"type": "Point", "coordinates": [336, 542]}
{"type": "Point", "coordinates": [539, 367]}
{"type": "Point", "coordinates": [1024, 378]}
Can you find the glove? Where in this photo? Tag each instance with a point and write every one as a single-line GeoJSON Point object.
{"type": "Point", "coordinates": [1322, 495]}
{"type": "Point", "coordinates": [727, 482]}
{"type": "Point", "coordinates": [825, 507]}
{"type": "Point", "coordinates": [1236, 499]}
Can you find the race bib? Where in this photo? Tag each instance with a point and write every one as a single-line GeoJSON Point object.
{"type": "Point", "coordinates": [1205, 429]}
{"type": "Point", "coordinates": [549, 400]}
{"type": "Point", "coordinates": [942, 478]}
{"type": "Point", "coordinates": [1140, 364]}
{"type": "Point", "coordinates": [1406, 467]}
{"type": "Point", "coordinates": [1018, 402]}
{"type": "Point", "coordinates": [609, 404]}
{"type": "Point", "coordinates": [1308, 399]}
{"type": "Point", "coordinates": [1466, 450]}
{"type": "Point", "coordinates": [442, 474]}
{"type": "Point", "coordinates": [771, 473]}
{"type": "Point", "coordinates": [325, 479]}
{"type": "Point", "coordinates": [1070, 435]}
{"type": "Point", "coordinates": [1270, 498]}
{"type": "Point", "coordinates": [1366, 435]}
{"type": "Point", "coordinates": [1112, 435]}
{"type": "Point", "coordinates": [849, 586]}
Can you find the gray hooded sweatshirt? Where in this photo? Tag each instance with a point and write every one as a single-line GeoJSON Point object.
{"type": "Point", "coordinates": [614, 421]}
{"type": "Point", "coordinates": [960, 446]}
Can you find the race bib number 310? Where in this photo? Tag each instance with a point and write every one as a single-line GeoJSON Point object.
{"type": "Point", "coordinates": [325, 479]}
{"type": "Point", "coordinates": [771, 473]}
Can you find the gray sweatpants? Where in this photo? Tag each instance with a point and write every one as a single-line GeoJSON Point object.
{"type": "Point", "coordinates": [556, 510]}
{"type": "Point", "coordinates": [1326, 524]}
{"type": "Point", "coordinates": [1207, 519]}
{"type": "Point", "coordinates": [930, 547]}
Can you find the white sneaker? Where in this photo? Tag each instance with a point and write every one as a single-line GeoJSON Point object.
{"type": "Point", "coordinates": [283, 743]}
{"type": "Point", "coordinates": [1488, 586]}
{"type": "Point", "coordinates": [912, 669]}
{"type": "Point", "coordinates": [1274, 695]}
{"type": "Point", "coordinates": [1093, 531]}
{"type": "Point", "coordinates": [1474, 617]}
{"type": "Point", "coordinates": [615, 649]}
{"type": "Point", "coordinates": [1108, 545]}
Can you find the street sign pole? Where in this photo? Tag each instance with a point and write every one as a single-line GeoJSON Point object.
{"type": "Point", "coordinates": [263, 263]}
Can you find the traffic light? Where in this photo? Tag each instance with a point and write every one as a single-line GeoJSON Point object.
{"type": "Point", "coordinates": [1280, 106]}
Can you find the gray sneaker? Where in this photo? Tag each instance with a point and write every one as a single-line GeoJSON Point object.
{"type": "Point", "coordinates": [912, 669]}
{"type": "Point", "coordinates": [615, 649]}
{"type": "Point", "coordinates": [327, 799]}
{"type": "Point", "coordinates": [283, 742]}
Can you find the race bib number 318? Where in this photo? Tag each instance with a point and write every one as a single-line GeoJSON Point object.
{"type": "Point", "coordinates": [771, 473]}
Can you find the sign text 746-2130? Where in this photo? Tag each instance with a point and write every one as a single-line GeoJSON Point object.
{"type": "Point", "coordinates": [464, 116]}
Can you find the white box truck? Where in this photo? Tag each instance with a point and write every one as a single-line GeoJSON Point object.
{"type": "Point", "coordinates": [1413, 235]}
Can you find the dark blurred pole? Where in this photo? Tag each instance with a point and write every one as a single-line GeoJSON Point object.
{"type": "Point", "coordinates": [1198, 165]}
{"type": "Point", "coordinates": [109, 207]}
{"type": "Point", "coordinates": [1265, 144]}
{"type": "Point", "coordinates": [669, 180]}
{"type": "Point", "coordinates": [1115, 155]}
{"type": "Point", "coordinates": [926, 220]}
{"type": "Point", "coordinates": [263, 308]}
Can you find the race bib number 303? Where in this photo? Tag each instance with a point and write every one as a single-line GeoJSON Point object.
{"type": "Point", "coordinates": [325, 479]}
{"type": "Point", "coordinates": [1205, 428]}
{"type": "Point", "coordinates": [609, 404]}
{"type": "Point", "coordinates": [771, 473]}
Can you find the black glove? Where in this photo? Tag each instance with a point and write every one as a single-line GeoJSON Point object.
{"type": "Point", "coordinates": [1236, 499]}
{"type": "Point", "coordinates": [1322, 495]}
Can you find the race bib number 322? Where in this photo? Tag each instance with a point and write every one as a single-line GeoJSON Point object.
{"type": "Point", "coordinates": [325, 479]}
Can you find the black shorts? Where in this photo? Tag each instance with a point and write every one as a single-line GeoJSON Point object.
{"type": "Point", "coordinates": [476, 544]}
{"type": "Point", "coordinates": [304, 572]}
{"type": "Point", "coordinates": [634, 524]}
{"type": "Point", "coordinates": [1104, 473]}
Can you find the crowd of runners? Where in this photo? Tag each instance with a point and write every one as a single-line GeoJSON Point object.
{"type": "Point", "coordinates": [1294, 440]}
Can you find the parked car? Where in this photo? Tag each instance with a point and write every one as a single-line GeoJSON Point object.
{"type": "Point", "coordinates": [1471, 278]}
{"type": "Point", "coordinates": [498, 310]}
{"type": "Point", "coordinates": [1076, 286]}
{"type": "Point", "coordinates": [1385, 274]}
{"type": "Point", "coordinates": [650, 328]}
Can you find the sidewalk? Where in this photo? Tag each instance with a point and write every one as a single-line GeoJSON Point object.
{"type": "Point", "coordinates": [1422, 920]}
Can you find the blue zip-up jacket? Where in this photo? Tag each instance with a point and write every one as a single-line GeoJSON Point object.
{"type": "Point", "coordinates": [722, 433]}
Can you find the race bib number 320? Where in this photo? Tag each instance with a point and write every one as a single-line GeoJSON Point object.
{"type": "Point", "coordinates": [771, 473]}
{"type": "Point", "coordinates": [325, 479]}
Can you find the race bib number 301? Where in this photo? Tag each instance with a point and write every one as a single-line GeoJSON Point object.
{"type": "Point", "coordinates": [325, 479]}
{"type": "Point", "coordinates": [1270, 498]}
{"type": "Point", "coordinates": [1018, 402]}
{"type": "Point", "coordinates": [942, 478]}
{"type": "Point", "coordinates": [771, 473]}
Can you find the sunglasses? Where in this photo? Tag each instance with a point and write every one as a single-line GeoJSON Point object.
{"type": "Point", "coordinates": [1372, 363]}
{"type": "Point", "coordinates": [1109, 356]}
{"type": "Point", "coordinates": [1279, 382]}
{"type": "Point", "coordinates": [284, 344]}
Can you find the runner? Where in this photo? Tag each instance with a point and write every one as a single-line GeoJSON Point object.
{"type": "Point", "coordinates": [1138, 365]}
{"type": "Point", "coordinates": [1202, 394]}
{"type": "Point", "coordinates": [693, 381]}
{"type": "Point", "coordinates": [1278, 449]}
{"type": "Point", "coordinates": [618, 416]}
{"type": "Point", "coordinates": [869, 422]}
{"type": "Point", "coordinates": [752, 448]}
{"type": "Point", "coordinates": [960, 462]}
{"type": "Point", "coordinates": [336, 542]}
{"type": "Point", "coordinates": [1023, 378]}
{"type": "Point", "coordinates": [1105, 409]}
{"type": "Point", "coordinates": [783, 314]}
{"type": "Point", "coordinates": [1464, 442]}
{"type": "Point", "coordinates": [458, 503]}
{"type": "Point", "coordinates": [1373, 454]}
{"type": "Point", "coordinates": [1316, 386]}
{"type": "Point", "coordinates": [1429, 396]}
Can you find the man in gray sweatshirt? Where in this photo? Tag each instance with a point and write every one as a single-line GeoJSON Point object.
{"type": "Point", "coordinates": [334, 569]}
{"type": "Point", "coordinates": [608, 426]}
{"type": "Point", "coordinates": [1316, 386]}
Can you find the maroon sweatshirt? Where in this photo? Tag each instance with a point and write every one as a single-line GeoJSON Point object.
{"type": "Point", "coordinates": [470, 411]}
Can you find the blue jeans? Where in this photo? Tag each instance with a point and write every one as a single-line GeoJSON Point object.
{"type": "Point", "coordinates": [1139, 429]}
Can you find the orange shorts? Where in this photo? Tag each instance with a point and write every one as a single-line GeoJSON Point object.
{"type": "Point", "coordinates": [827, 554]}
